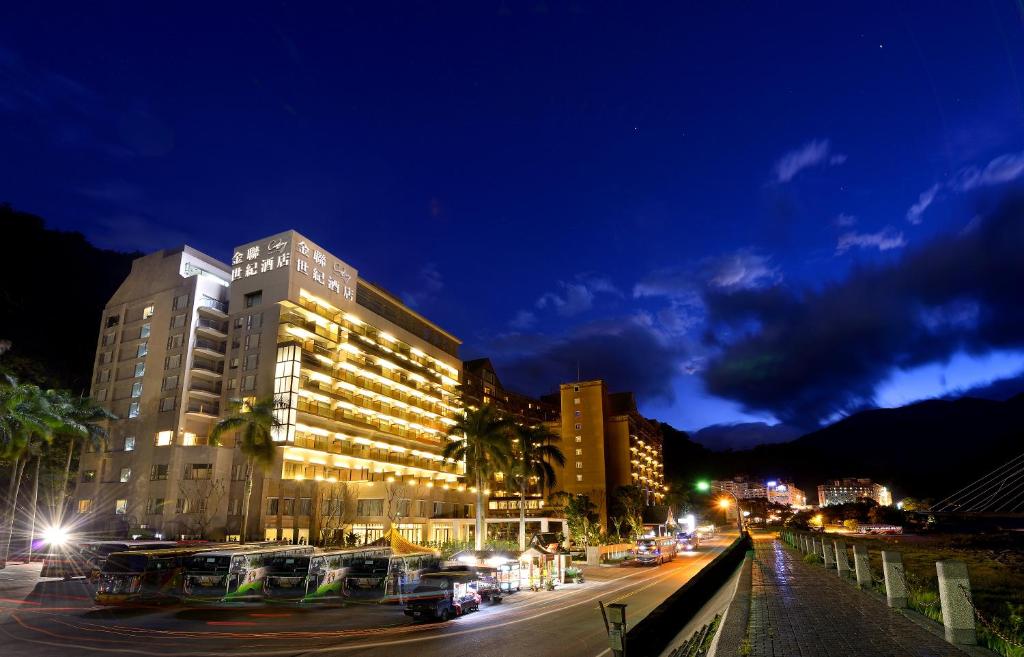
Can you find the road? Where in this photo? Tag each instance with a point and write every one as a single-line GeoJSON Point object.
{"type": "Point", "coordinates": [58, 617]}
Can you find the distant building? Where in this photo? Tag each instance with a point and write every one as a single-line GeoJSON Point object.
{"type": "Point", "coordinates": [742, 487]}
{"type": "Point", "coordinates": [481, 385]}
{"type": "Point", "coordinates": [785, 492]}
{"type": "Point", "coordinates": [842, 491]}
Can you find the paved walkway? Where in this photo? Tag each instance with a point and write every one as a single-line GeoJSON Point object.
{"type": "Point", "coordinates": [803, 610]}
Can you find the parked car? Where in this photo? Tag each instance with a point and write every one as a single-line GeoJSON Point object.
{"type": "Point", "coordinates": [443, 596]}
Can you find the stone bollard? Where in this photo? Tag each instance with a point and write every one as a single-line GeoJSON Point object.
{"type": "Point", "coordinates": [842, 559]}
{"type": "Point", "coordinates": [801, 544]}
{"type": "Point", "coordinates": [895, 581]}
{"type": "Point", "coordinates": [955, 598]}
{"type": "Point", "coordinates": [862, 566]}
{"type": "Point", "coordinates": [819, 547]}
{"type": "Point", "coordinates": [827, 554]}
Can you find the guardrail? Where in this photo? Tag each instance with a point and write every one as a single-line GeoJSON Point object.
{"type": "Point", "coordinates": [652, 635]}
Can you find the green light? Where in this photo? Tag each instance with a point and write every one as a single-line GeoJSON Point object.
{"type": "Point", "coordinates": [703, 486]}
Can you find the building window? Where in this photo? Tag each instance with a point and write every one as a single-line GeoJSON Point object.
{"type": "Point", "coordinates": [101, 394]}
{"type": "Point", "coordinates": [108, 339]}
{"type": "Point", "coordinates": [126, 475]}
{"type": "Point", "coordinates": [579, 465]}
{"type": "Point", "coordinates": [579, 477]}
{"type": "Point", "coordinates": [158, 472]}
{"type": "Point", "coordinates": [140, 368]}
{"type": "Point", "coordinates": [254, 298]}
{"type": "Point", "coordinates": [178, 321]}
{"type": "Point", "coordinates": [238, 472]}
{"type": "Point", "coordinates": [168, 403]}
{"type": "Point", "coordinates": [251, 361]}
{"type": "Point", "coordinates": [84, 506]}
{"type": "Point", "coordinates": [155, 506]}
{"type": "Point", "coordinates": [148, 311]}
{"type": "Point", "coordinates": [171, 382]}
{"type": "Point", "coordinates": [579, 439]}
{"type": "Point", "coordinates": [579, 426]}
{"type": "Point", "coordinates": [121, 507]}
{"type": "Point", "coordinates": [133, 409]}
{"type": "Point", "coordinates": [234, 363]}
{"type": "Point", "coordinates": [575, 388]}
{"type": "Point", "coordinates": [104, 358]}
{"type": "Point", "coordinates": [180, 302]}
{"type": "Point", "coordinates": [579, 452]}
{"type": "Point", "coordinates": [370, 508]}
{"type": "Point", "coordinates": [252, 340]}
{"type": "Point", "coordinates": [142, 349]}
{"type": "Point", "coordinates": [578, 413]}
{"type": "Point", "coordinates": [164, 438]}
{"type": "Point", "coordinates": [188, 439]}
{"type": "Point", "coordinates": [103, 377]}
{"type": "Point", "coordinates": [172, 362]}
{"type": "Point", "coordinates": [88, 475]}
{"type": "Point", "coordinates": [235, 507]}
{"type": "Point", "coordinates": [129, 443]}
{"type": "Point", "coordinates": [137, 389]}
{"type": "Point", "coordinates": [254, 321]}
{"type": "Point", "coordinates": [249, 382]}
{"type": "Point", "coordinates": [197, 471]}
{"type": "Point", "coordinates": [576, 400]}
{"type": "Point", "coordinates": [175, 341]}
{"type": "Point", "coordinates": [273, 504]}
{"type": "Point", "coordinates": [113, 321]}
{"type": "Point", "coordinates": [144, 331]}
{"type": "Point", "coordinates": [232, 383]}
{"type": "Point", "coordinates": [305, 506]}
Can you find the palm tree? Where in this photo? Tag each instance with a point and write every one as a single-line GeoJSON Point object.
{"type": "Point", "coordinates": [537, 451]}
{"type": "Point", "coordinates": [81, 420]}
{"type": "Point", "coordinates": [27, 421]}
{"type": "Point", "coordinates": [483, 440]}
{"type": "Point", "coordinates": [255, 421]}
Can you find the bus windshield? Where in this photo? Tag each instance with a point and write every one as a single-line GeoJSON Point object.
{"type": "Point", "coordinates": [289, 564]}
{"type": "Point", "coordinates": [203, 563]}
{"type": "Point", "coordinates": [126, 563]}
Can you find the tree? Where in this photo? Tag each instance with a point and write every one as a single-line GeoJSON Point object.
{"type": "Point", "coordinates": [81, 420]}
{"type": "Point", "coordinates": [202, 498]}
{"type": "Point", "coordinates": [580, 516]}
{"type": "Point", "coordinates": [253, 423]}
{"type": "Point", "coordinates": [483, 440]}
{"type": "Point", "coordinates": [27, 421]}
{"type": "Point", "coordinates": [629, 502]}
{"type": "Point", "coordinates": [336, 510]}
{"type": "Point", "coordinates": [536, 451]}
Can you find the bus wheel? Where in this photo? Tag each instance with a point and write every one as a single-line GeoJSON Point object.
{"type": "Point", "coordinates": [446, 616]}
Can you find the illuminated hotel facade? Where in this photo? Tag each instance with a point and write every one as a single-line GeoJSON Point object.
{"type": "Point", "coordinates": [367, 387]}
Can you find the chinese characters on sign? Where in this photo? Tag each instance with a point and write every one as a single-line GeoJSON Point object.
{"type": "Point", "coordinates": [275, 256]}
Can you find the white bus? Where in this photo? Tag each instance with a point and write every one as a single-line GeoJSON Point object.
{"type": "Point", "coordinates": [655, 549]}
{"type": "Point", "coordinates": [233, 575]}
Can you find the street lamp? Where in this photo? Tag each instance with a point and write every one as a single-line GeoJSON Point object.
{"type": "Point", "coordinates": [705, 486]}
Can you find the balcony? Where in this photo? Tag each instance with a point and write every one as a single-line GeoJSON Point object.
{"type": "Point", "coordinates": [205, 389]}
{"type": "Point", "coordinates": [213, 307]}
{"type": "Point", "coordinates": [207, 368]}
{"type": "Point", "coordinates": [212, 328]}
{"type": "Point", "coordinates": [204, 409]}
{"type": "Point", "coordinates": [209, 348]}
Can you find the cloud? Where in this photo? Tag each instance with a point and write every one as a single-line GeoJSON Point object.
{"type": "Point", "coordinates": [743, 270]}
{"type": "Point", "coordinates": [1002, 169]}
{"type": "Point", "coordinates": [844, 220]}
{"type": "Point", "coordinates": [808, 354]}
{"type": "Point", "coordinates": [884, 240]}
{"type": "Point", "coordinates": [916, 211]}
{"type": "Point", "coordinates": [625, 352]}
{"type": "Point", "coordinates": [523, 320]}
{"type": "Point", "coordinates": [577, 296]}
{"type": "Point", "coordinates": [814, 153]}
{"type": "Point", "coordinates": [429, 285]}
{"type": "Point", "coordinates": [744, 435]}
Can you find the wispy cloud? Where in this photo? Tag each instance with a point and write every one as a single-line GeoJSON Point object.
{"type": "Point", "coordinates": [429, 284]}
{"type": "Point", "coordinates": [927, 197]}
{"type": "Point", "coordinates": [884, 240]}
{"type": "Point", "coordinates": [999, 170]}
{"type": "Point", "coordinates": [817, 152]}
{"type": "Point", "coordinates": [844, 220]}
{"type": "Point", "coordinates": [523, 320]}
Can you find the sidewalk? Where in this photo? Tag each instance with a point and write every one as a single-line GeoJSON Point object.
{"type": "Point", "coordinates": [803, 610]}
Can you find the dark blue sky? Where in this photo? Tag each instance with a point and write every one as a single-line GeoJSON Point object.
{"type": "Point", "coordinates": [561, 182]}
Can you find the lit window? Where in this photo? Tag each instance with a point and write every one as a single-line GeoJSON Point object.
{"type": "Point", "coordinates": [579, 477]}
{"type": "Point", "coordinates": [140, 369]}
{"type": "Point", "coordinates": [144, 331]}
{"type": "Point", "coordinates": [88, 475]}
{"type": "Point", "coordinates": [164, 438]}
{"type": "Point", "coordinates": [129, 443]}
{"type": "Point", "coordinates": [126, 475]}
{"type": "Point", "coordinates": [133, 409]}
{"type": "Point", "coordinates": [142, 350]}
{"type": "Point", "coordinates": [579, 465]}
{"type": "Point", "coordinates": [579, 452]}
{"type": "Point", "coordinates": [137, 389]}
{"type": "Point", "coordinates": [579, 426]}
{"type": "Point", "coordinates": [576, 400]}
{"type": "Point", "coordinates": [121, 507]}
{"type": "Point", "coordinates": [148, 311]}
{"type": "Point", "coordinates": [188, 439]}
{"type": "Point", "coordinates": [84, 506]}
{"type": "Point", "coordinates": [579, 439]}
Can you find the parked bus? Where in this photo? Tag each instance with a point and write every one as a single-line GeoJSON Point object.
{"type": "Point", "coordinates": [86, 558]}
{"type": "Point", "coordinates": [391, 573]}
{"type": "Point", "coordinates": [233, 574]}
{"type": "Point", "coordinates": [655, 550]}
{"type": "Point", "coordinates": [686, 542]}
{"type": "Point", "coordinates": [314, 577]}
{"type": "Point", "coordinates": [145, 575]}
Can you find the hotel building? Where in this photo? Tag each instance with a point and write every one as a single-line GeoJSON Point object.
{"type": "Point", "coordinates": [842, 491]}
{"type": "Point", "coordinates": [367, 387]}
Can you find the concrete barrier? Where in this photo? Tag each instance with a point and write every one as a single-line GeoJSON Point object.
{"type": "Point", "coordinates": [842, 558]}
{"type": "Point", "coordinates": [895, 579]}
{"type": "Point", "coordinates": [955, 598]}
{"type": "Point", "coordinates": [862, 566]}
{"type": "Point", "coordinates": [827, 553]}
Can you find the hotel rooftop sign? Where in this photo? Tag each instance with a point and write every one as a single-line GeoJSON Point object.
{"type": "Point", "coordinates": [306, 264]}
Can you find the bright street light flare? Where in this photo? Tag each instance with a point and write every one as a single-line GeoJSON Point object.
{"type": "Point", "coordinates": [56, 536]}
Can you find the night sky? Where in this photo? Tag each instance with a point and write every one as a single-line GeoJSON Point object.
{"type": "Point", "coordinates": [744, 212]}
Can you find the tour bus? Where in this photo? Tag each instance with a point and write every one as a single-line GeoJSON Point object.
{"type": "Point", "coordinates": [86, 558]}
{"type": "Point", "coordinates": [655, 549]}
{"type": "Point", "coordinates": [145, 575]}
{"type": "Point", "coordinates": [314, 577]}
{"type": "Point", "coordinates": [686, 542]}
{"type": "Point", "coordinates": [233, 574]}
{"type": "Point", "coordinates": [392, 574]}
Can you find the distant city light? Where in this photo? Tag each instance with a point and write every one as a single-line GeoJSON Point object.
{"type": "Point", "coordinates": [772, 484]}
{"type": "Point", "coordinates": [703, 486]}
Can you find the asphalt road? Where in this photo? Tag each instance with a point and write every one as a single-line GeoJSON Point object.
{"type": "Point", "coordinates": [58, 618]}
